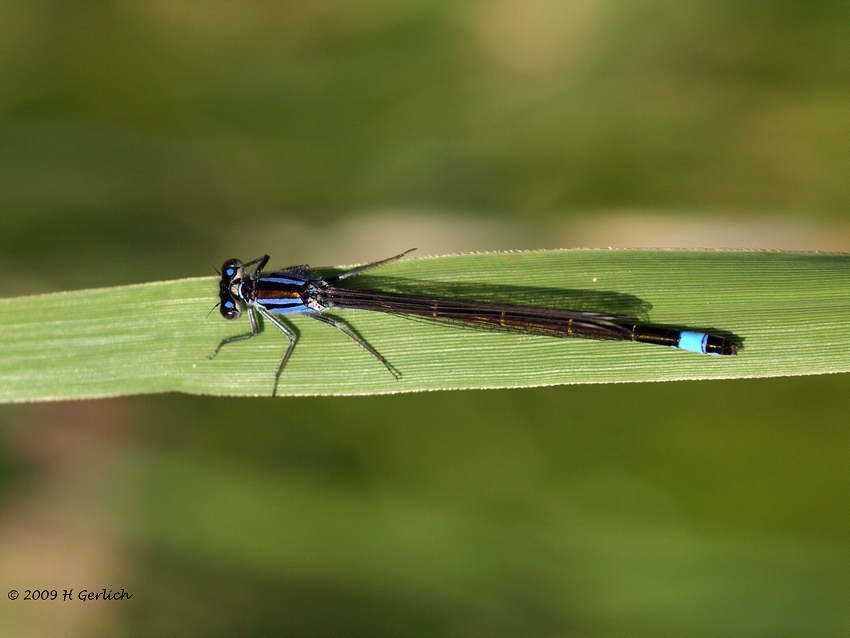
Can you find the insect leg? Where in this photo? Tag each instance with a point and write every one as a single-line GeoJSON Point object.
{"type": "Point", "coordinates": [289, 335]}
{"type": "Point", "coordinates": [261, 263]}
{"type": "Point", "coordinates": [357, 340]}
{"type": "Point", "coordinates": [374, 264]}
{"type": "Point", "coordinates": [254, 332]}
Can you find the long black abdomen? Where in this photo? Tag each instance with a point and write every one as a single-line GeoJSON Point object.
{"type": "Point", "coordinates": [504, 317]}
{"type": "Point", "coordinates": [528, 319]}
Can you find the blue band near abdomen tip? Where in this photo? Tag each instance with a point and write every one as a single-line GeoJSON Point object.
{"type": "Point", "coordinates": [693, 341]}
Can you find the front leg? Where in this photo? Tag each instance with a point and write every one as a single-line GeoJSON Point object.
{"type": "Point", "coordinates": [255, 330]}
{"type": "Point", "coordinates": [261, 263]}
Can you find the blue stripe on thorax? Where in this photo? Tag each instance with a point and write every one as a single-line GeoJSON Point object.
{"type": "Point", "coordinates": [285, 279]}
{"type": "Point", "coordinates": [284, 306]}
{"type": "Point", "coordinates": [282, 283]}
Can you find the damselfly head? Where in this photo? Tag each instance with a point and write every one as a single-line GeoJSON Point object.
{"type": "Point", "coordinates": [230, 308]}
{"type": "Point", "coordinates": [231, 272]}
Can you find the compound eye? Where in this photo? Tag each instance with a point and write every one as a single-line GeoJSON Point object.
{"type": "Point", "coordinates": [230, 308]}
{"type": "Point", "coordinates": [232, 269]}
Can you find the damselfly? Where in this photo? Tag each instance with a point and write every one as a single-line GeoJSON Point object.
{"type": "Point", "coordinates": [293, 291]}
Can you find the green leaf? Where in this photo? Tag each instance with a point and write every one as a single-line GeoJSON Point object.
{"type": "Point", "coordinates": [791, 310]}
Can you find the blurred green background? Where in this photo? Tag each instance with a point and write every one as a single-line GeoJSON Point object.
{"type": "Point", "coordinates": [142, 141]}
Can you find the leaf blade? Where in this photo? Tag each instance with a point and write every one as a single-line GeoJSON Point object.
{"type": "Point", "coordinates": [790, 309]}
